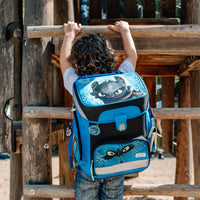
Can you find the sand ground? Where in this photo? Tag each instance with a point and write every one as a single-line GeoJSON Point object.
{"type": "Point", "coordinates": [159, 172]}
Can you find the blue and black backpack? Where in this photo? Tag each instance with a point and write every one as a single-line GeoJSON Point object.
{"type": "Point", "coordinates": [112, 125]}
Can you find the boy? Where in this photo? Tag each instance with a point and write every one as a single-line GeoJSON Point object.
{"type": "Point", "coordinates": [90, 55]}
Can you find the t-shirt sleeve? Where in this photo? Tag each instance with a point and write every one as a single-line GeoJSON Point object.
{"type": "Point", "coordinates": [69, 78]}
{"type": "Point", "coordinates": [126, 67]}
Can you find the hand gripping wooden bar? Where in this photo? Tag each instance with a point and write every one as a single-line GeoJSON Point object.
{"type": "Point", "coordinates": [136, 31]}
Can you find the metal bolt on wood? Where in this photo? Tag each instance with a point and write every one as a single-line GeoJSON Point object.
{"type": "Point", "coordinates": [46, 146]}
{"type": "Point", "coordinates": [32, 192]}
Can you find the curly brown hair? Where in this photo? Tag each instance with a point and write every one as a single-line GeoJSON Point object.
{"type": "Point", "coordinates": [90, 55]}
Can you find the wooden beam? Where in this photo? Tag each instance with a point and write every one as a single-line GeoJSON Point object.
{"type": "Point", "coordinates": [144, 68]}
{"type": "Point", "coordinates": [191, 63]}
{"type": "Point", "coordinates": [65, 113]}
{"type": "Point", "coordinates": [159, 46]}
{"type": "Point", "coordinates": [61, 191]}
{"type": "Point", "coordinates": [130, 9]}
{"type": "Point", "coordinates": [167, 8]}
{"type": "Point", "coordinates": [95, 9]}
{"type": "Point", "coordinates": [136, 31]}
{"type": "Point", "coordinates": [149, 8]}
{"type": "Point", "coordinates": [159, 60]}
{"type": "Point", "coordinates": [154, 71]}
{"type": "Point", "coordinates": [136, 21]}
{"type": "Point", "coordinates": [113, 8]}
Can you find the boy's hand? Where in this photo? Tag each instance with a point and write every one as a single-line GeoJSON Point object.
{"type": "Point", "coordinates": [120, 26]}
{"type": "Point", "coordinates": [72, 28]}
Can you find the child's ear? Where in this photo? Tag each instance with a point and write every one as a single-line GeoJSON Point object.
{"type": "Point", "coordinates": [119, 79]}
{"type": "Point", "coordinates": [94, 85]}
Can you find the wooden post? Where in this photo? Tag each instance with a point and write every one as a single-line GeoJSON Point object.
{"type": "Point", "coordinates": [194, 17]}
{"type": "Point", "coordinates": [195, 124]}
{"type": "Point", "coordinates": [8, 15]}
{"type": "Point", "coordinates": [151, 86]}
{"type": "Point", "coordinates": [167, 125]}
{"type": "Point", "coordinates": [149, 12]}
{"type": "Point", "coordinates": [16, 183]}
{"type": "Point", "coordinates": [62, 13]}
{"type": "Point", "coordinates": [182, 175]}
{"type": "Point", "coordinates": [14, 36]}
{"type": "Point", "coordinates": [148, 8]}
{"type": "Point", "coordinates": [36, 87]}
{"type": "Point", "coordinates": [167, 10]}
{"type": "Point", "coordinates": [184, 163]}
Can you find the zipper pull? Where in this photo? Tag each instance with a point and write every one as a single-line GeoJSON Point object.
{"type": "Point", "coordinates": [91, 170]}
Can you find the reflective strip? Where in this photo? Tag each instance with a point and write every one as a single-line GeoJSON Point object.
{"type": "Point", "coordinates": [122, 167]}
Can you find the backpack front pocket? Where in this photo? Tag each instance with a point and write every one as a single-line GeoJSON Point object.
{"type": "Point", "coordinates": [121, 158]}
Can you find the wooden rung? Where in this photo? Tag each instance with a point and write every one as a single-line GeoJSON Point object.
{"type": "Point", "coordinates": [47, 112]}
{"type": "Point", "coordinates": [176, 113]}
{"type": "Point", "coordinates": [136, 31]}
{"type": "Point", "coordinates": [64, 191]}
{"type": "Point", "coordinates": [65, 113]}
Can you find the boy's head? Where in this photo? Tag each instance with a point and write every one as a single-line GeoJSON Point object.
{"type": "Point", "coordinates": [90, 55]}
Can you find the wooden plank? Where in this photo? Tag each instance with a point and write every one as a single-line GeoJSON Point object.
{"type": "Point", "coordinates": [149, 8]}
{"type": "Point", "coordinates": [136, 21]}
{"type": "Point", "coordinates": [16, 181]}
{"type": "Point", "coordinates": [167, 8]}
{"type": "Point", "coordinates": [65, 113]}
{"type": "Point", "coordinates": [153, 71]}
{"type": "Point", "coordinates": [113, 8]}
{"type": "Point", "coordinates": [95, 9]}
{"type": "Point", "coordinates": [146, 66]}
{"type": "Point", "coordinates": [160, 60]}
{"type": "Point", "coordinates": [59, 191]}
{"type": "Point", "coordinates": [136, 31]}
{"type": "Point", "coordinates": [167, 125]}
{"type": "Point", "coordinates": [159, 46]}
{"type": "Point", "coordinates": [36, 84]}
{"type": "Point", "coordinates": [191, 63]}
{"type": "Point", "coordinates": [130, 9]}
{"type": "Point", "coordinates": [77, 10]}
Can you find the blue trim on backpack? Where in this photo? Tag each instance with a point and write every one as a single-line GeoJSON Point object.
{"type": "Point", "coordinates": [70, 141]}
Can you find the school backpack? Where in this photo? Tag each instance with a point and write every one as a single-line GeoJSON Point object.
{"type": "Point", "coordinates": [112, 125]}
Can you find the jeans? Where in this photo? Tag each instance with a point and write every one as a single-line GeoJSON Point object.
{"type": "Point", "coordinates": [98, 189]}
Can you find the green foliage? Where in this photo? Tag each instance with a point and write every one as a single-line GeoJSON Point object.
{"type": "Point", "coordinates": [139, 2]}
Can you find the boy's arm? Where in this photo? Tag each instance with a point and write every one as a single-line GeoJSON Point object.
{"type": "Point", "coordinates": [129, 46]}
{"type": "Point", "coordinates": [71, 29]}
